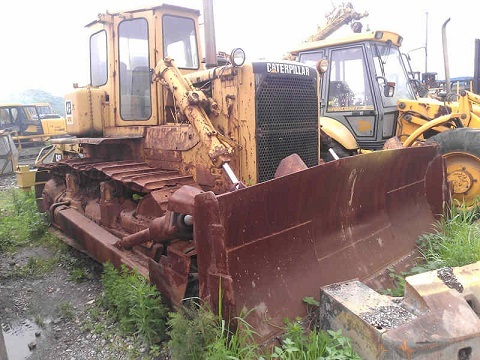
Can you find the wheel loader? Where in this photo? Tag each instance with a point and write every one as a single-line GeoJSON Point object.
{"type": "Point", "coordinates": [367, 98]}
{"type": "Point", "coordinates": [207, 179]}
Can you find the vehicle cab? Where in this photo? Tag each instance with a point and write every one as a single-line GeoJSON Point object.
{"type": "Point", "coordinates": [364, 78]}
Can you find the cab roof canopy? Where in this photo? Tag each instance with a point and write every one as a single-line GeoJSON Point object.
{"type": "Point", "coordinates": [102, 18]}
{"type": "Point", "coordinates": [380, 36]}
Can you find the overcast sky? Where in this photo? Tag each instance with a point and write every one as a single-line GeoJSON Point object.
{"type": "Point", "coordinates": [44, 43]}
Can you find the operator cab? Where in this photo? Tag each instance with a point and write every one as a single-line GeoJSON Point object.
{"type": "Point", "coordinates": [124, 49]}
{"type": "Point", "coordinates": [20, 119]}
{"type": "Point", "coordinates": [363, 81]}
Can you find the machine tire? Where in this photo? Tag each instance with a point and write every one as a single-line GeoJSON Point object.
{"type": "Point", "coordinates": [337, 147]}
{"type": "Point", "coordinates": [461, 150]}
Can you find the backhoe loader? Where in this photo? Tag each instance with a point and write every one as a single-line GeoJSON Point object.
{"type": "Point", "coordinates": [207, 181]}
{"type": "Point", "coordinates": [367, 98]}
{"type": "Point", "coordinates": [29, 123]}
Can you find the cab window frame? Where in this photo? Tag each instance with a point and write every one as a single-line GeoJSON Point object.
{"type": "Point", "coordinates": [134, 71]}
{"type": "Point", "coordinates": [97, 71]}
{"type": "Point", "coordinates": [190, 62]}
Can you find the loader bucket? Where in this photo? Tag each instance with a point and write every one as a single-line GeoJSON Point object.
{"type": "Point", "coordinates": [265, 248]}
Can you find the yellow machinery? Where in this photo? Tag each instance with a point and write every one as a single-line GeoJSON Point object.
{"type": "Point", "coordinates": [8, 153]}
{"type": "Point", "coordinates": [367, 98]}
{"type": "Point", "coordinates": [32, 122]}
{"type": "Point", "coordinates": [340, 15]}
{"type": "Point", "coordinates": [206, 180]}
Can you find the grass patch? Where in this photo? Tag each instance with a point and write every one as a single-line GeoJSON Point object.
{"type": "Point", "coordinates": [199, 334]}
{"type": "Point", "coordinates": [455, 240]}
{"type": "Point", "coordinates": [22, 226]}
{"type": "Point", "coordinates": [35, 267]}
{"type": "Point", "coordinates": [66, 310]}
{"type": "Point", "coordinates": [298, 343]}
{"type": "Point", "coordinates": [191, 329]}
{"type": "Point", "coordinates": [134, 303]}
{"type": "Point", "coordinates": [20, 222]}
{"type": "Point", "coordinates": [39, 321]}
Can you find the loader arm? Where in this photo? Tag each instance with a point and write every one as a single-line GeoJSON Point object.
{"type": "Point", "coordinates": [345, 14]}
{"type": "Point", "coordinates": [418, 116]}
{"type": "Point", "coordinates": [190, 101]}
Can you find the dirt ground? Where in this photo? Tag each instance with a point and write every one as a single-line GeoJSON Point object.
{"type": "Point", "coordinates": [46, 317]}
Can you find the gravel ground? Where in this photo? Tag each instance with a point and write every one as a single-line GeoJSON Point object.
{"type": "Point", "coordinates": [50, 316]}
{"type": "Point", "coordinates": [7, 181]}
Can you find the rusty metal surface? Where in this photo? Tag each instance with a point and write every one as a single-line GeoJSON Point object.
{"type": "Point", "coordinates": [437, 318]}
{"type": "Point", "coordinates": [290, 165]}
{"type": "Point", "coordinates": [171, 273]}
{"type": "Point", "coordinates": [272, 244]}
{"type": "Point", "coordinates": [140, 176]}
{"type": "Point", "coordinates": [95, 141]}
{"type": "Point", "coordinates": [174, 137]}
{"type": "Point", "coordinates": [98, 243]}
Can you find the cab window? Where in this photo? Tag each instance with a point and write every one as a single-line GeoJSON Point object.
{"type": "Point", "coordinates": [180, 41]}
{"type": "Point", "coordinates": [349, 88]}
{"type": "Point", "coordinates": [98, 58]}
{"type": "Point", "coordinates": [311, 58]}
{"type": "Point", "coordinates": [134, 71]}
{"type": "Point", "coordinates": [389, 68]}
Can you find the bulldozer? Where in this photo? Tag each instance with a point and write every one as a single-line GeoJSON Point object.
{"type": "Point", "coordinates": [367, 98]}
{"type": "Point", "coordinates": [206, 178]}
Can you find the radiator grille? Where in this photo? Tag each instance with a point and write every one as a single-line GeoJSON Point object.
{"type": "Point", "coordinates": [286, 121]}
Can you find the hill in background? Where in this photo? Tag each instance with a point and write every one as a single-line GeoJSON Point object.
{"type": "Point", "coordinates": [36, 95]}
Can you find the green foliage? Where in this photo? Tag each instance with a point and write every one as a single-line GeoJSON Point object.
{"type": "Point", "coordinates": [66, 310]}
{"type": "Point", "coordinates": [78, 275]}
{"type": "Point", "coordinates": [238, 344]}
{"type": "Point", "coordinates": [35, 267]}
{"type": "Point", "coordinates": [134, 303]}
{"type": "Point", "coordinates": [399, 281]}
{"type": "Point", "coordinates": [299, 344]}
{"type": "Point", "coordinates": [39, 321]}
{"type": "Point", "coordinates": [311, 301]}
{"type": "Point", "coordinates": [18, 207]}
{"type": "Point", "coordinates": [191, 329]}
{"type": "Point", "coordinates": [455, 240]}
{"type": "Point", "coordinates": [197, 333]}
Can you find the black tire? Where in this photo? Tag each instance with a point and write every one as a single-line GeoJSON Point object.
{"type": "Point", "coordinates": [461, 150]}
{"type": "Point", "coordinates": [465, 139]}
{"type": "Point", "coordinates": [336, 147]}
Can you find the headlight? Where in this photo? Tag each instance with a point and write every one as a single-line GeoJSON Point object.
{"type": "Point", "coordinates": [237, 57]}
{"type": "Point", "coordinates": [322, 66]}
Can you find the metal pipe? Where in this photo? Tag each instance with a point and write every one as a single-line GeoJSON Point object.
{"type": "Point", "coordinates": [445, 57]}
{"type": "Point", "coordinates": [209, 28]}
{"type": "Point", "coordinates": [426, 41]}
{"type": "Point", "coordinates": [427, 126]}
{"type": "Point", "coordinates": [231, 175]}
{"type": "Point", "coordinates": [333, 153]}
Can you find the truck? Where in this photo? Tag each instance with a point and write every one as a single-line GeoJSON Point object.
{"type": "Point", "coordinates": [208, 180]}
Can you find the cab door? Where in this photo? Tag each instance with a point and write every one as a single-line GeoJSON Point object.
{"type": "Point", "coordinates": [348, 95]}
{"type": "Point", "coordinates": [135, 55]}
{"type": "Point", "coordinates": [388, 70]}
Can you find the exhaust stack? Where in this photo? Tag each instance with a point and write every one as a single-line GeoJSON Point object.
{"type": "Point", "coordinates": [209, 27]}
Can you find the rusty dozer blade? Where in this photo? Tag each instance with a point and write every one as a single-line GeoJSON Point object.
{"type": "Point", "coordinates": [266, 247]}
